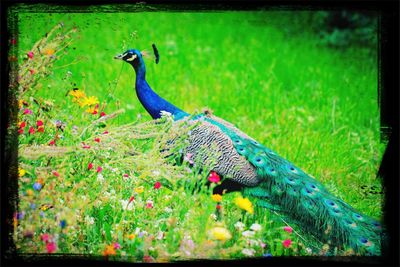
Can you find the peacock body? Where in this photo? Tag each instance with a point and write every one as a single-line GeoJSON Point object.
{"type": "Point", "coordinates": [269, 179]}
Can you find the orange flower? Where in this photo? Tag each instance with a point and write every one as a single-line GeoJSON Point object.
{"type": "Point", "coordinates": [49, 52]}
{"type": "Point", "coordinates": [109, 250]}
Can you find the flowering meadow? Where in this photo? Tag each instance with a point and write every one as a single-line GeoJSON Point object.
{"type": "Point", "coordinates": [92, 183]}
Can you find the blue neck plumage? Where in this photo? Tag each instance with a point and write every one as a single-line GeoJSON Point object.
{"type": "Point", "coordinates": [152, 102]}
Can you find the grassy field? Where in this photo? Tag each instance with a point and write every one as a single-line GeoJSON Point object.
{"type": "Point", "coordinates": [314, 105]}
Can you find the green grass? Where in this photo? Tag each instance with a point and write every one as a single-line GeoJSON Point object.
{"type": "Point", "coordinates": [314, 105]}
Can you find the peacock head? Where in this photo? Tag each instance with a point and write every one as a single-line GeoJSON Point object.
{"type": "Point", "coordinates": [131, 56]}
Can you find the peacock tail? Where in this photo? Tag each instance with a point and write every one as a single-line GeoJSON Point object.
{"type": "Point", "coordinates": [272, 181]}
{"type": "Point", "coordinates": [275, 183]}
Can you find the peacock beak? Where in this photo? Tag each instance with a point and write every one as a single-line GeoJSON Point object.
{"type": "Point", "coordinates": [119, 56]}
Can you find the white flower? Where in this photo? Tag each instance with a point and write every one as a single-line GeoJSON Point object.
{"type": "Point", "coordinates": [168, 210]}
{"type": "Point", "coordinates": [100, 178]}
{"type": "Point", "coordinates": [255, 227]}
{"type": "Point", "coordinates": [125, 205]}
{"type": "Point", "coordinates": [213, 216]}
{"type": "Point", "coordinates": [156, 173]}
{"type": "Point", "coordinates": [160, 235]}
{"type": "Point", "coordinates": [309, 251]}
{"type": "Point", "coordinates": [240, 226]}
{"type": "Point", "coordinates": [248, 233]}
{"type": "Point", "coordinates": [89, 220]}
{"type": "Point", "coordinates": [248, 251]}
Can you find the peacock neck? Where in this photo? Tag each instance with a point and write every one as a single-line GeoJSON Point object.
{"type": "Point", "coordinates": [152, 102]}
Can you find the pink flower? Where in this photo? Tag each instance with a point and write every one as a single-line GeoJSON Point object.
{"type": "Point", "coordinates": [214, 177]}
{"type": "Point", "coordinates": [99, 169]}
{"type": "Point", "coordinates": [286, 243]}
{"type": "Point", "coordinates": [157, 185]}
{"type": "Point", "coordinates": [30, 54]}
{"type": "Point", "coordinates": [31, 130]}
{"type": "Point", "coordinates": [102, 114]}
{"type": "Point", "coordinates": [105, 132]}
{"type": "Point", "coordinates": [126, 175]}
{"type": "Point", "coordinates": [45, 237]}
{"type": "Point", "coordinates": [28, 111]}
{"type": "Point", "coordinates": [56, 174]}
{"type": "Point", "coordinates": [117, 245]}
{"type": "Point", "coordinates": [39, 123]}
{"type": "Point", "coordinates": [288, 229]}
{"type": "Point", "coordinates": [52, 142]}
{"type": "Point", "coordinates": [97, 140]}
{"type": "Point", "coordinates": [188, 158]}
{"type": "Point", "coordinates": [90, 166]}
{"type": "Point", "coordinates": [149, 204]}
{"type": "Point", "coordinates": [51, 247]}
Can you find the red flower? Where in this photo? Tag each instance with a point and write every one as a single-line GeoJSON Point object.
{"type": "Point", "coordinates": [105, 132]}
{"type": "Point", "coordinates": [39, 123]}
{"type": "Point", "coordinates": [97, 140]}
{"type": "Point", "coordinates": [90, 166]}
{"type": "Point", "coordinates": [45, 237]}
{"type": "Point", "coordinates": [288, 229]}
{"type": "Point", "coordinates": [218, 207]}
{"type": "Point", "coordinates": [51, 247]}
{"type": "Point", "coordinates": [214, 177]}
{"type": "Point", "coordinates": [52, 142]}
{"type": "Point", "coordinates": [21, 131]}
{"type": "Point", "coordinates": [149, 204]}
{"type": "Point", "coordinates": [30, 54]}
{"type": "Point", "coordinates": [157, 185]}
{"type": "Point", "coordinates": [94, 112]}
{"type": "Point", "coordinates": [148, 258]}
{"type": "Point", "coordinates": [40, 129]}
{"type": "Point", "coordinates": [286, 243]}
{"type": "Point", "coordinates": [31, 130]}
{"type": "Point", "coordinates": [85, 145]}
{"type": "Point", "coordinates": [22, 125]}
{"type": "Point", "coordinates": [132, 198]}
{"type": "Point", "coordinates": [32, 71]}
{"type": "Point", "coordinates": [56, 174]}
{"type": "Point", "coordinates": [99, 169]}
{"type": "Point", "coordinates": [102, 114]}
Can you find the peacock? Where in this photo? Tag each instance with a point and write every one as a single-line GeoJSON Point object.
{"type": "Point", "coordinates": [261, 174]}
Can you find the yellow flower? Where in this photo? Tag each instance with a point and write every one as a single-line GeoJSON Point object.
{"type": "Point", "coordinates": [245, 204]}
{"type": "Point", "coordinates": [131, 236]}
{"type": "Point", "coordinates": [220, 233]}
{"type": "Point", "coordinates": [88, 101]}
{"type": "Point", "coordinates": [216, 197]}
{"type": "Point", "coordinates": [91, 110]}
{"type": "Point", "coordinates": [21, 172]}
{"type": "Point", "coordinates": [139, 189]}
{"type": "Point", "coordinates": [77, 94]}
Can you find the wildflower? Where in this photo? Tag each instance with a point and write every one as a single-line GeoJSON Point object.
{"type": "Point", "coordinates": [240, 226]}
{"type": "Point", "coordinates": [55, 173]}
{"type": "Point", "coordinates": [99, 169]}
{"type": "Point", "coordinates": [220, 233]}
{"type": "Point", "coordinates": [139, 189]}
{"type": "Point", "coordinates": [85, 146]}
{"type": "Point", "coordinates": [117, 245]}
{"type": "Point", "coordinates": [20, 215]}
{"type": "Point", "coordinates": [63, 224]}
{"type": "Point", "coordinates": [30, 54]}
{"type": "Point", "coordinates": [39, 123]}
{"type": "Point", "coordinates": [77, 94]}
{"type": "Point", "coordinates": [131, 236]}
{"type": "Point", "coordinates": [89, 220]}
{"type": "Point", "coordinates": [102, 114]}
{"type": "Point", "coordinates": [89, 101]}
{"type": "Point", "coordinates": [49, 52]}
{"type": "Point", "coordinates": [218, 207]}
{"type": "Point", "coordinates": [248, 233]}
{"type": "Point", "coordinates": [160, 235]}
{"type": "Point", "coordinates": [32, 71]}
{"type": "Point", "coordinates": [45, 237]}
{"type": "Point", "coordinates": [29, 192]}
{"type": "Point", "coordinates": [28, 111]}
{"type": "Point", "coordinates": [286, 243]}
{"type": "Point", "coordinates": [21, 172]}
{"type": "Point", "coordinates": [40, 129]}
{"type": "Point", "coordinates": [37, 186]}
{"type": "Point", "coordinates": [288, 229]}
{"type": "Point", "coordinates": [255, 227]}
{"type": "Point", "coordinates": [21, 131]}
{"type": "Point", "coordinates": [100, 178]}
{"type": "Point", "coordinates": [125, 175]}
{"type": "Point", "coordinates": [52, 142]}
{"type": "Point", "coordinates": [109, 250]}
{"type": "Point", "coordinates": [149, 204]}
{"type": "Point", "coordinates": [148, 258]}
{"type": "Point", "coordinates": [309, 251]}
{"type": "Point", "coordinates": [132, 198]}
{"type": "Point", "coordinates": [157, 185]}
{"type": "Point", "coordinates": [248, 251]}
{"type": "Point", "coordinates": [188, 158]}
{"type": "Point", "coordinates": [245, 204]}
{"type": "Point", "coordinates": [90, 166]}
{"type": "Point", "coordinates": [97, 140]}
{"type": "Point", "coordinates": [92, 110]}
{"type": "Point", "coordinates": [31, 130]}
{"type": "Point", "coordinates": [105, 132]}
{"type": "Point", "coordinates": [168, 210]}
{"type": "Point", "coordinates": [22, 125]}
{"type": "Point", "coordinates": [214, 177]}
{"type": "Point", "coordinates": [216, 197]}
